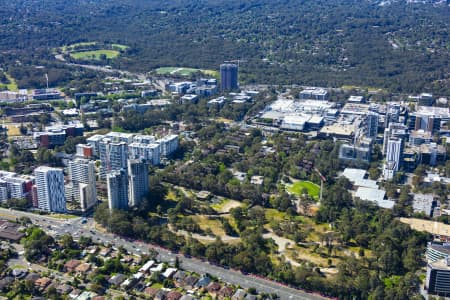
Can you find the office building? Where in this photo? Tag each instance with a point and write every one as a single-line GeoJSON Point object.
{"type": "Point", "coordinates": [437, 251]}
{"type": "Point", "coordinates": [428, 118]}
{"type": "Point", "coordinates": [228, 77]}
{"type": "Point", "coordinates": [425, 122]}
{"type": "Point", "coordinates": [314, 93]}
{"type": "Point", "coordinates": [426, 99]}
{"type": "Point", "coordinates": [372, 124]}
{"type": "Point", "coordinates": [394, 130]}
{"type": "Point", "coordinates": [438, 277]}
{"type": "Point", "coordinates": [50, 189]}
{"type": "Point", "coordinates": [82, 177]}
{"type": "Point", "coordinates": [394, 152]}
{"type": "Point", "coordinates": [138, 181]}
{"type": "Point", "coordinates": [392, 114]}
{"type": "Point", "coordinates": [46, 94]}
{"type": "Point", "coordinates": [359, 154]}
{"type": "Point", "coordinates": [117, 183]}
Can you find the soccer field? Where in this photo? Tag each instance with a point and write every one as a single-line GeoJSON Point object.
{"type": "Point", "coordinates": [183, 71]}
{"type": "Point", "coordinates": [95, 54]}
{"type": "Point", "coordinates": [312, 188]}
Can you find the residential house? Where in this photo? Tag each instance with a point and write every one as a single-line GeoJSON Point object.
{"type": "Point", "coordinates": [151, 291]}
{"type": "Point", "coordinates": [64, 289]}
{"type": "Point", "coordinates": [179, 277]}
{"type": "Point", "coordinates": [225, 292]}
{"type": "Point", "coordinates": [117, 279]}
{"type": "Point", "coordinates": [203, 282]}
{"type": "Point", "coordinates": [189, 282]}
{"type": "Point", "coordinates": [161, 295]}
{"type": "Point", "coordinates": [83, 268]}
{"type": "Point", "coordinates": [239, 295]}
{"type": "Point", "coordinates": [213, 288]}
{"type": "Point", "coordinates": [71, 265]}
{"type": "Point", "coordinates": [173, 295]}
{"type": "Point", "coordinates": [42, 283]}
{"type": "Point", "coordinates": [6, 282]}
{"type": "Point", "coordinates": [168, 273]}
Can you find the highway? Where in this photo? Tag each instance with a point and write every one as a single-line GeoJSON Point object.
{"type": "Point", "coordinates": [74, 226]}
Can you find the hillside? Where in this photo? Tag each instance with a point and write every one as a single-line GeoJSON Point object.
{"type": "Point", "coordinates": [397, 45]}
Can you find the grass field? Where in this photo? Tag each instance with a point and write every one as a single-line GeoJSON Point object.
{"type": "Point", "coordinates": [119, 47]}
{"type": "Point", "coordinates": [205, 223]}
{"type": "Point", "coordinates": [226, 205]}
{"type": "Point", "coordinates": [12, 86]}
{"type": "Point", "coordinates": [77, 45]}
{"type": "Point", "coordinates": [95, 54]}
{"type": "Point", "coordinates": [13, 130]}
{"type": "Point", "coordinates": [312, 188]}
{"type": "Point", "coordinates": [183, 71]}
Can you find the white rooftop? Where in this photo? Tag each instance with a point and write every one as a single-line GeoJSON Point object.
{"type": "Point", "coordinates": [356, 176]}
{"type": "Point", "coordinates": [374, 195]}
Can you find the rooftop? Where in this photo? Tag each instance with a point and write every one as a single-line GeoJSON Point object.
{"type": "Point", "coordinates": [374, 195]}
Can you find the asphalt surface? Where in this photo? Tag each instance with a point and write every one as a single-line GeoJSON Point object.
{"type": "Point", "coordinates": [74, 226]}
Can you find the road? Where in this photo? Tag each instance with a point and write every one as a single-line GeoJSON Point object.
{"type": "Point", "coordinates": [57, 227]}
{"type": "Point", "coordinates": [158, 84]}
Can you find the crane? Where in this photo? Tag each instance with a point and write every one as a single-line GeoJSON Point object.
{"type": "Point", "coordinates": [309, 166]}
{"type": "Point", "coordinates": [322, 180]}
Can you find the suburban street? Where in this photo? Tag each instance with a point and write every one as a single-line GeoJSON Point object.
{"type": "Point", "coordinates": [57, 227]}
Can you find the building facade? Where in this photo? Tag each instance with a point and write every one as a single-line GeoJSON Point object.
{"type": "Point", "coordinates": [228, 77]}
{"type": "Point", "coordinates": [117, 183]}
{"type": "Point", "coordinates": [438, 277]}
{"type": "Point", "coordinates": [82, 176]}
{"type": "Point", "coordinates": [113, 156]}
{"type": "Point", "coordinates": [50, 189]}
{"type": "Point", "coordinates": [138, 181]}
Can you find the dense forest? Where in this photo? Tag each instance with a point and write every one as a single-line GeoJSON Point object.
{"type": "Point", "coordinates": [402, 47]}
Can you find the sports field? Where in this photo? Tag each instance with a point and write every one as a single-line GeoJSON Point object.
{"type": "Point", "coordinates": [95, 54]}
{"type": "Point", "coordinates": [119, 47]}
{"type": "Point", "coordinates": [297, 187]}
{"type": "Point", "coordinates": [183, 71]}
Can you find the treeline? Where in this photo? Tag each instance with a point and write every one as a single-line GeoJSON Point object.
{"type": "Point", "coordinates": [328, 43]}
{"type": "Point", "coordinates": [389, 272]}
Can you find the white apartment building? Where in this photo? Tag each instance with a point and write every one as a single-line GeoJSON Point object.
{"type": "Point", "coordinates": [82, 177]}
{"type": "Point", "coordinates": [138, 181]}
{"type": "Point", "coordinates": [50, 189]}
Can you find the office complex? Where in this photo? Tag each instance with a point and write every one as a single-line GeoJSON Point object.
{"type": "Point", "coordinates": [228, 77]}
{"type": "Point", "coordinates": [117, 183]}
{"type": "Point", "coordinates": [372, 124]}
{"type": "Point", "coordinates": [392, 114]}
{"type": "Point", "coordinates": [393, 157]}
{"type": "Point", "coordinates": [138, 181]}
{"type": "Point", "coordinates": [50, 189]}
{"type": "Point", "coordinates": [82, 177]}
{"type": "Point", "coordinates": [438, 277]}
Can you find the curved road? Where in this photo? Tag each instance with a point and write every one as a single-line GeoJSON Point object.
{"type": "Point", "coordinates": [74, 227]}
